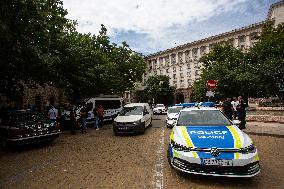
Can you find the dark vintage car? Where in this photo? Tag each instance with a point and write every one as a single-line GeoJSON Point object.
{"type": "Point", "coordinates": [25, 127]}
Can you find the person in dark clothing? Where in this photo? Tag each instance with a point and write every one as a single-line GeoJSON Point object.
{"type": "Point", "coordinates": [241, 112]}
{"type": "Point", "coordinates": [101, 113]}
{"type": "Point", "coordinates": [96, 118]}
{"type": "Point", "coordinates": [228, 108]}
{"type": "Point", "coordinates": [73, 120]}
{"type": "Point", "coordinates": [83, 116]}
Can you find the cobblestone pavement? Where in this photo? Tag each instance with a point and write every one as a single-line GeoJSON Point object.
{"type": "Point", "coordinates": [101, 160]}
{"type": "Point", "coordinates": [265, 128]}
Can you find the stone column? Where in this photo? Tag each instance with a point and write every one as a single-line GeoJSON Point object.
{"type": "Point", "coordinates": [236, 42]}
{"type": "Point", "coordinates": [247, 41]}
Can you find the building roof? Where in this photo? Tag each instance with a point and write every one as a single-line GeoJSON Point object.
{"type": "Point", "coordinates": [218, 36]}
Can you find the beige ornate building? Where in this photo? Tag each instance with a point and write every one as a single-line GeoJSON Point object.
{"type": "Point", "coordinates": [181, 62]}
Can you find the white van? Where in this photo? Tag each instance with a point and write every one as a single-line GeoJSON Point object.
{"type": "Point", "coordinates": [112, 105]}
{"type": "Point", "coordinates": [134, 118]}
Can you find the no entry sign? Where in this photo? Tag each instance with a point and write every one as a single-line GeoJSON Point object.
{"type": "Point", "coordinates": [211, 84]}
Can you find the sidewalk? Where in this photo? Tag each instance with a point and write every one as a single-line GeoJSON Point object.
{"type": "Point", "coordinates": [265, 128]}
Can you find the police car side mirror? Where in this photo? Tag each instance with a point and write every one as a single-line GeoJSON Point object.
{"type": "Point", "coordinates": [236, 122]}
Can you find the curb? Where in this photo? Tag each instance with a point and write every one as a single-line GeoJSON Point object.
{"type": "Point", "coordinates": [264, 134]}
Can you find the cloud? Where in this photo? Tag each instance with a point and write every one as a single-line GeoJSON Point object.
{"type": "Point", "coordinates": [158, 24]}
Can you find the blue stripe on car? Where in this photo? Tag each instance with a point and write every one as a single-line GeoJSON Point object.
{"type": "Point", "coordinates": [211, 136]}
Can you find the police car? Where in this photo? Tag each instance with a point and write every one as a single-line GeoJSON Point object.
{"type": "Point", "coordinates": [172, 115]}
{"type": "Point", "coordinates": [205, 142]}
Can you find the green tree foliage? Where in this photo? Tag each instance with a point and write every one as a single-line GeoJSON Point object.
{"type": "Point", "coordinates": [224, 64]}
{"type": "Point", "coordinates": [258, 72]}
{"type": "Point", "coordinates": [158, 89]}
{"type": "Point", "coordinates": [267, 59]}
{"type": "Point", "coordinates": [39, 45]}
{"type": "Point", "coordinates": [29, 31]}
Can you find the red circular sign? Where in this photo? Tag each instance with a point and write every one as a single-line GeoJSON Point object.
{"type": "Point", "coordinates": [211, 84]}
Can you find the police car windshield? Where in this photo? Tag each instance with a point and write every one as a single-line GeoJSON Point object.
{"type": "Point", "coordinates": [202, 118]}
{"type": "Point", "coordinates": [135, 110]}
{"type": "Point", "coordinates": [174, 110]}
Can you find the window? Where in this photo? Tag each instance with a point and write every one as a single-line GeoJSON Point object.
{"type": "Point", "coordinates": [202, 50]}
{"type": "Point", "coordinates": [203, 117]}
{"type": "Point", "coordinates": [136, 110]}
{"type": "Point", "coordinates": [174, 69]}
{"type": "Point", "coordinates": [194, 53]}
{"type": "Point", "coordinates": [174, 76]}
{"type": "Point", "coordinates": [180, 57]}
{"type": "Point", "coordinates": [187, 56]}
{"type": "Point", "coordinates": [109, 104]}
{"type": "Point", "coordinates": [181, 75]}
{"type": "Point", "coordinates": [173, 58]}
{"type": "Point", "coordinates": [189, 82]}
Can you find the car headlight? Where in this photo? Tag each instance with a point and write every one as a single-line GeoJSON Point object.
{"type": "Point", "coordinates": [137, 122]}
{"type": "Point", "coordinates": [179, 147]}
{"type": "Point", "coordinates": [249, 149]}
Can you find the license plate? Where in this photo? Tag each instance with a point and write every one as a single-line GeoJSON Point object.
{"type": "Point", "coordinates": [218, 162]}
{"type": "Point", "coordinates": [123, 128]}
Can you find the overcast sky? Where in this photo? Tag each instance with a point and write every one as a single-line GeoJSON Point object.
{"type": "Point", "coordinates": [149, 26]}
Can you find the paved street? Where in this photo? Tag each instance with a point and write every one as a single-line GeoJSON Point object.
{"type": "Point", "coordinates": [101, 160]}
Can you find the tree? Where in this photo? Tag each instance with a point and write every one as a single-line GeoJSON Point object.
{"type": "Point", "coordinates": [158, 90]}
{"type": "Point", "coordinates": [266, 58]}
{"type": "Point", "coordinates": [227, 65]}
{"type": "Point", "coordinates": [29, 32]}
{"type": "Point", "coordinates": [39, 45]}
{"type": "Point", "coordinates": [256, 73]}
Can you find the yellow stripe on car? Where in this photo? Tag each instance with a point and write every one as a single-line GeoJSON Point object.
{"type": "Point", "coordinates": [175, 154]}
{"type": "Point", "coordinates": [256, 158]}
{"type": "Point", "coordinates": [237, 140]}
{"type": "Point", "coordinates": [188, 140]}
{"type": "Point", "coordinates": [172, 136]}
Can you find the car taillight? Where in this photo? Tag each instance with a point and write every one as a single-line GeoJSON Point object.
{"type": "Point", "coordinates": [17, 132]}
{"type": "Point", "coordinates": [57, 126]}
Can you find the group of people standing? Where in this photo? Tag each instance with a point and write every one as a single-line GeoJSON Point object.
{"type": "Point", "coordinates": [235, 109]}
{"type": "Point", "coordinates": [96, 115]}
{"type": "Point", "coordinates": [86, 115]}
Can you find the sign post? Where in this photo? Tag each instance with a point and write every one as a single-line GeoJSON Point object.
{"type": "Point", "coordinates": [211, 86]}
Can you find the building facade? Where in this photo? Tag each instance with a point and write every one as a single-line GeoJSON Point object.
{"type": "Point", "coordinates": [181, 63]}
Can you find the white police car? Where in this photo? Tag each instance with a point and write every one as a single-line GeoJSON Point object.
{"type": "Point", "coordinates": [204, 141]}
{"type": "Point", "coordinates": [172, 115]}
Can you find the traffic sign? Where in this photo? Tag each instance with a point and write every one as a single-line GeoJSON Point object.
{"type": "Point", "coordinates": [210, 93]}
{"type": "Point", "coordinates": [211, 84]}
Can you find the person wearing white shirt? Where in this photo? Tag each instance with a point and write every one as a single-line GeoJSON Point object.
{"type": "Point", "coordinates": [235, 103]}
{"type": "Point", "coordinates": [52, 113]}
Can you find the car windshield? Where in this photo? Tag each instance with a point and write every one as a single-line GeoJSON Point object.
{"type": "Point", "coordinates": [202, 117]}
{"type": "Point", "coordinates": [160, 106]}
{"type": "Point", "coordinates": [174, 110]}
{"type": "Point", "coordinates": [135, 110]}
